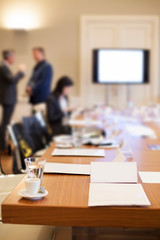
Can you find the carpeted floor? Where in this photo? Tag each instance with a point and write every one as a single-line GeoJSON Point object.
{"type": "Point", "coordinates": [114, 234]}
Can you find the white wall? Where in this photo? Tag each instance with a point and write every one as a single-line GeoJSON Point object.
{"type": "Point", "coordinates": [60, 32]}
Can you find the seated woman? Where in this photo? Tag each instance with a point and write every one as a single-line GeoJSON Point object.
{"type": "Point", "coordinates": [58, 106]}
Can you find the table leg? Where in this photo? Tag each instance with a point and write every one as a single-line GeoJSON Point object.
{"type": "Point", "coordinates": [63, 233]}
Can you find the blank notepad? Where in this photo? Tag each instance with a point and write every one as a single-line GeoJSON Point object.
{"type": "Point", "coordinates": [67, 168]}
{"type": "Point", "coordinates": [114, 172]}
{"type": "Point", "coordinates": [150, 177]}
{"type": "Point", "coordinates": [79, 152]}
{"type": "Point", "coordinates": [103, 194]}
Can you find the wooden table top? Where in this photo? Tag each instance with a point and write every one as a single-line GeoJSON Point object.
{"type": "Point", "coordinates": [67, 201]}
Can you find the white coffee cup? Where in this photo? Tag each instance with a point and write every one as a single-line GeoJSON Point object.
{"type": "Point", "coordinates": [32, 185]}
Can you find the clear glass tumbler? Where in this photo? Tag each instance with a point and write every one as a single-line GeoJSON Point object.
{"type": "Point", "coordinates": [77, 136]}
{"type": "Point", "coordinates": [35, 168]}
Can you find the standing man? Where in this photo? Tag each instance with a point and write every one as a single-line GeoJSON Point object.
{"type": "Point", "coordinates": [39, 85]}
{"type": "Point", "coordinates": [8, 92]}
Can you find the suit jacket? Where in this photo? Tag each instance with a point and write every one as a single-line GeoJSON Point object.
{"type": "Point", "coordinates": [8, 82]}
{"type": "Point", "coordinates": [40, 82]}
{"type": "Point", "coordinates": [55, 116]}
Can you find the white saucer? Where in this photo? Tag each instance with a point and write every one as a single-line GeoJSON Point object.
{"type": "Point", "coordinates": [62, 138]}
{"type": "Point", "coordinates": [66, 145]}
{"type": "Point", "coordinates": [23, 193]}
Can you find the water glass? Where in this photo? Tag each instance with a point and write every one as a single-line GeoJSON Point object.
{"type": "Point", "coordinates": [88, 117]}
{"type": "Point", "coordinates": [77, 136]}
{"type": "Point", "coordinates": [35, 168]}
{"type": "Point", "coordinates": [127, 151]}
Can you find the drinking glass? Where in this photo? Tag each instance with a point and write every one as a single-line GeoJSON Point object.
{"type": "Point", "coordinates": [77, 135]}
{"type": "Point", "coordinates": [35, 168]}
{"type": "Point", "coordinates": [127, 151]}
{"type": "Point", "coordinates": [88, 117]}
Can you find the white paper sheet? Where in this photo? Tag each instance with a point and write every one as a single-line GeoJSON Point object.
{"type": "Point", "coordinates": [150, 177]}
{"type": "Point", "coordinates": [79, 152]}
{"type": "Point", "coordinates": [103, 194]}
{"type": "Point", "coordinates": [67, 168]}
{"type": "Point", "coordinates": [113, 172]}
{"type": "Point", "coordinates": [84, 122]}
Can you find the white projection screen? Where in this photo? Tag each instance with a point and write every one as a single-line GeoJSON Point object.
{"type": "Point", "coordinates": [121, 66]}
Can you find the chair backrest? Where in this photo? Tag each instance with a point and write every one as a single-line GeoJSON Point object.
{"type": "Point", "coordinates": [34, 133]}
{"type": "Point", "coordinates": [40, 118]}
{"type": "Point", "coordinates": [22, 149]}
{"type": "Point", "coordinates": [28, 137]}
{"type": "Point", "coordinates": [47, 129]}
{"type": "Point", "coordinates": [16, 147]}
{"type": "Point", "coordinates": [12, 136]}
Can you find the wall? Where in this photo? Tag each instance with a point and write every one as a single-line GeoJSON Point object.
{"type": "Point", "coordinates": [60, 32]}
{"type": "Point", "coordinates": [119, 32]}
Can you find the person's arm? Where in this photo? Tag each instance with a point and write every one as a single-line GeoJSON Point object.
{"type": "Point", "coordinates": [10, 77]}
{"type": "Point", "coordinates": [54, 113]}
{"type": "Point", "coordinates": [30, 84]}
{"type": "Point", "coordinates": [45, 76]}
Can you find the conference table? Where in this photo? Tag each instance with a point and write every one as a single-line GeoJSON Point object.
{"type": "Point", "coordinates": [67, 201]}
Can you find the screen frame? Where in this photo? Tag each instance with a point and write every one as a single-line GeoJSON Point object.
{"type": "Point", "coordinates": [146, 67]}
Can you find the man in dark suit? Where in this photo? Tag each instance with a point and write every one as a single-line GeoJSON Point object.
{"type": "Point", "coordinates": [39, 85]}
{"type": "Point", "coordinates": [8, 91]}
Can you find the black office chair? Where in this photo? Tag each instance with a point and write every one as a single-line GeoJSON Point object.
{"type": "Point", "coordinates": [21, 148]}
{"type": "Point", "coordinates": [47, 130]}
{"type": "Point", "coordinates": [30, 138]}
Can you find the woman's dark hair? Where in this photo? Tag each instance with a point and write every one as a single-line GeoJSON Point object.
{"type": "Point", "coordinates": [61, 84]}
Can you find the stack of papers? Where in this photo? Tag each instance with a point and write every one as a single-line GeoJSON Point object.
{"type": "Point", "coordinates": [67, 168]}
{"type": "Point", "coordinates": [115, 184]}
{"type": "Point", "coordinates": [79, 152]}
